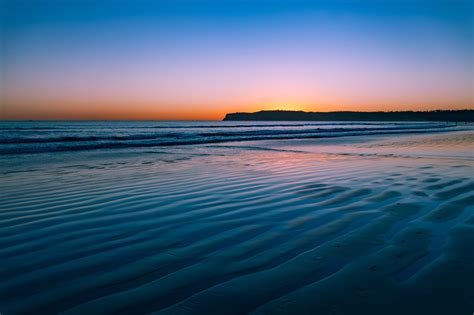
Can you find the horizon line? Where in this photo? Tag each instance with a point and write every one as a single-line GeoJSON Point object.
{"type": "Point", "coordinates": [263, 110]}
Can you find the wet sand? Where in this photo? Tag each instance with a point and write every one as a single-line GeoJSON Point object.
{"type": "Point", "coordinates": [367, 225]}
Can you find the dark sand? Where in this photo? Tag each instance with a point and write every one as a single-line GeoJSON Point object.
{"type": "Point", "coordinates": [381, 225]}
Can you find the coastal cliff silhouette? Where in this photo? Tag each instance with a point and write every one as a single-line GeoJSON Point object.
{"type": "Point", "coordinates": [466, 115]}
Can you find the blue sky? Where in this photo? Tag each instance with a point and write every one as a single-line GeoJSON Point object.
{"type": "Point", "coordinates": [83, 59]}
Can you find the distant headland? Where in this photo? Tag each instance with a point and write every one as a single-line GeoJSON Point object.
{"type": "Point", "coordinates": [466, 115]}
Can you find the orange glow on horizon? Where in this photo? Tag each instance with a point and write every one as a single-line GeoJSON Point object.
{"type": "Point", "coordinates": [55, 110]}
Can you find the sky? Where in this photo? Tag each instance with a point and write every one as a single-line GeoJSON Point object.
{"type": "Point", "coordinates": [186, 60]}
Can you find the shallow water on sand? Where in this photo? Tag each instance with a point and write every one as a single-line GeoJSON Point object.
{"type": "Point", "coordinates": [372, 225]}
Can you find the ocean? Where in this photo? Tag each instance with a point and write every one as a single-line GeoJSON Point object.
{"type": "Point", "coordinates": [52, 136]}
{"type": "Point", "coordinates": [147, 217]}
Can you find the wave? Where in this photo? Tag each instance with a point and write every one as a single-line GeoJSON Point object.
{"type": "Point", "coordinates": [118, 125]}
{"type": "Point", "coordinates": [88, 138]}
{"type": "Point", "coordinates": [76, 143]}
{"type": "Point", "coordinates": [81, 139]}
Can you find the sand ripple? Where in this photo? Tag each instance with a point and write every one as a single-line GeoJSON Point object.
{"type": "Point", "coordinates": [263, 232]}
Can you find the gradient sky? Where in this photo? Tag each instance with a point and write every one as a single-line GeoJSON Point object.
{"type": "Point", "coordinates": [179, 59]}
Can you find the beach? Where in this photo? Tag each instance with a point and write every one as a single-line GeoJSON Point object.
{"type": "Point", "coordinates": [273, 218]}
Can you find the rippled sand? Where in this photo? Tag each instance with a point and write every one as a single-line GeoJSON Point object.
{"type": "Point", "coordinates": [379, 225]}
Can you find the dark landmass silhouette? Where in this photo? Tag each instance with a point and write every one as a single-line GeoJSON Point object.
{"type": "Point", "coordinates": [466, 115]}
